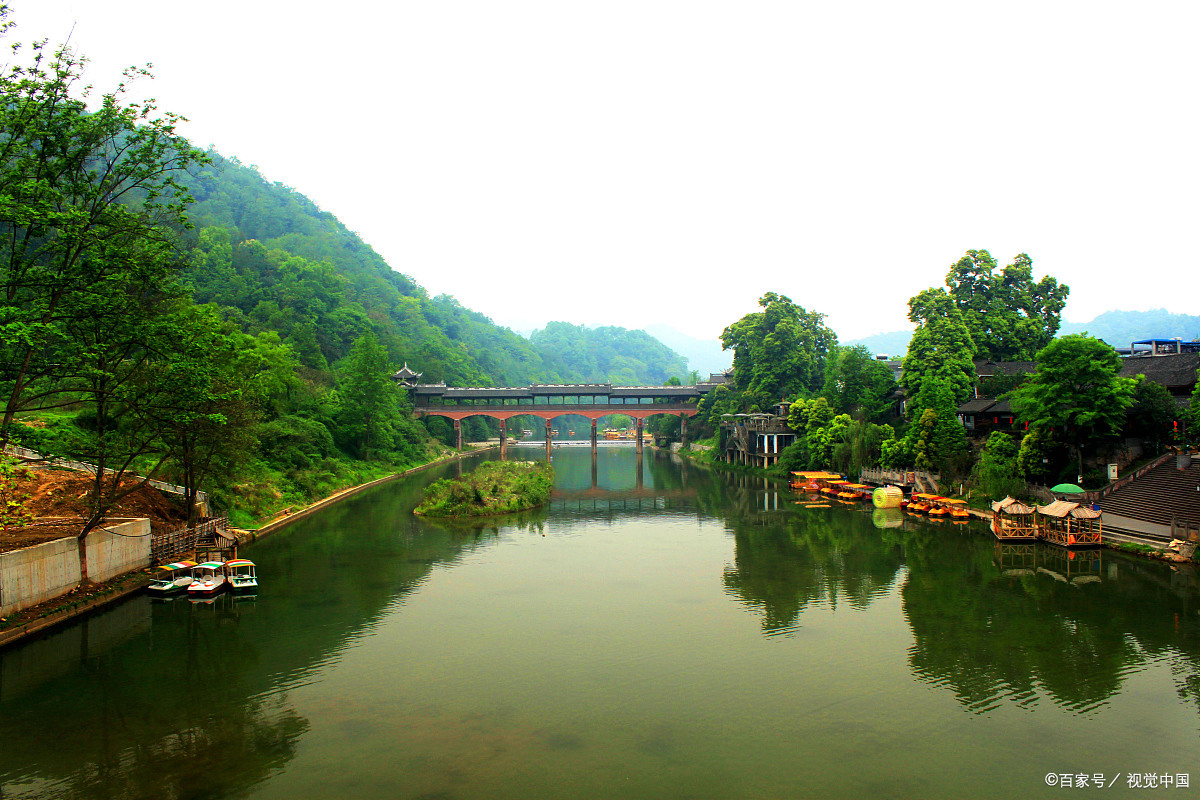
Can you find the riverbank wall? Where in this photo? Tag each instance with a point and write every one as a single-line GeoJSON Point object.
{"type": "Point", "coordinates": [118, 556]}
{"type": "Point", "coordinates": [46, 571]}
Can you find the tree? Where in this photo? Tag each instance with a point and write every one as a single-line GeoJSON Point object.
{"type": "Point", "coordinates": [997, 471]}
{"type": "Point", "coordinates": [89, 204]}
{"type": "Point", "coordinates": [1153, 416]}
{"type": "Point", "coordinates": [941, 348]}
{"type": "Point", "coordinates": [857, 384]}
{"type": "Point", "coordinates": [1078, 390]}
{"type": "Point", "coordinates": [1009, 315]}
{"type": "Point", "coordinates": [202, 399]}
{"type": "Point", "coordinates": [778, 352]}
{"type": "Point", "coordinates": [369, 397]}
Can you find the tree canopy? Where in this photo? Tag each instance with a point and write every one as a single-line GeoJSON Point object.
{"type": "Point", "coordinates": [1077, 390]}
{"type": "Point", "coordinates": [779, 352]}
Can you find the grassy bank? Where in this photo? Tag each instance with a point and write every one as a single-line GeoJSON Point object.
{"type": "Point", "coordinates": [495, 487]}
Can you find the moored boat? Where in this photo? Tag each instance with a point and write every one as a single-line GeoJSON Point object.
{"type": "Point", "coordinates": [241, 575]}
{"type": "Point", "coordinates": [171, 579]}
{"type": "Point", "coordinates": [1013, 521]}
{"type": "Point", "coordinates": [208, 579]}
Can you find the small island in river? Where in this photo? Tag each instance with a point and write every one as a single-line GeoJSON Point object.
{"type": "Point", "coordinates": [494, 487]}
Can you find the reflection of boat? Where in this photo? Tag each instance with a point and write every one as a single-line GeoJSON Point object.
{"type": "Point", "coordinates": [208, 579]}
{"type": "Point", "coordinates": [171, 579]}
{"type": "Point", "coordinates": [241, 577]}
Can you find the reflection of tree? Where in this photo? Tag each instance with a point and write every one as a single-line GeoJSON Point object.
{"type": "Point", "coordinates": [787, 562]}
{"type": "Point", "coordinates": [195, 703]}
{"type": "Point", "coordinates": [990, 633]}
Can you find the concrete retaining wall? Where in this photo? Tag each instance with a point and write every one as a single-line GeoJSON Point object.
{"type": "Point", "coordinates": [123, 546]}
{"type": "Point", "coordinates": [36, 574]}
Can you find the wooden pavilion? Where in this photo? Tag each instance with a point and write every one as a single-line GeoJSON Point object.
{"type": "Point", "coordinates": [1013, 521]}
{"type": "Point", "coordinates": [1069, 524]}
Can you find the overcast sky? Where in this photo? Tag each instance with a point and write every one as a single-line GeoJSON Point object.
{"type": "Point", "coordinates": [632, 163]}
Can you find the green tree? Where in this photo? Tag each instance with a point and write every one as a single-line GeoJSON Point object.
{"type": "Point", "coordinates": [1078, 390]}
{"type": "Point", "coordinates": [89, 203]}
{"type": "Point", "coordinates": [778, 352]}
{"type": "Point", "coordinates": [1153, 415]}
{"type": "Point", "coordinates": [997, 471]}
{"type": "Point", "coordinates": [369, 397]}
{"type": "Point", "coordinates": [1009, 315]}
{"type": "Point", "coordinates": [941, 348]}
{"type": "Point", "coordinates": [857, 384]}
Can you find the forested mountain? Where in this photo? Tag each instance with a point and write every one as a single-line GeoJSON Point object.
{"type": "Point", "coordinates": [277, 262]}
{"type": "Point", "coordinates": [591, 355]}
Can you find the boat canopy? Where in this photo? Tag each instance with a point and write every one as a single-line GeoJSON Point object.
{"type": "Point", "coordinates": [1064, 508]}
{"type": "Point", "coordinates": [211, 565]}
{"type": "Point", "coordinates": [1010, 505]}
{"type": "Point", "coordinates": [178, 565]}
{"type": "Point", "coordinates": [241, 562]}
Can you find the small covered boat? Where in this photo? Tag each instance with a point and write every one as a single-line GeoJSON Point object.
{"type": "Point", "coordinates": [241, 576]}
{"type": "Point", "coordinates": [208, 579]}
{"type": "Point", "coordinates": [1069, 524]}
{"type": "Point", "coordinates": [1013, 521]}
{"type": "Point", "coordinates": [171, 579]}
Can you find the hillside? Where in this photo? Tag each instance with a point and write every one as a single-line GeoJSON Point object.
{"type": "Point", "coordinates": [277, 262]}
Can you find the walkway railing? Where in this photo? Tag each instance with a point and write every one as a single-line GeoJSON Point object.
{"type": "Point", "coordinates": [80, 466]}
{"type": "Point", "coordinates": [170, 546]}
{"type": "Point", "coordinates": [926, 481]}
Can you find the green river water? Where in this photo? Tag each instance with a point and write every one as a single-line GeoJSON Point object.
{"type": "Point", "coordinates": [657, 631]}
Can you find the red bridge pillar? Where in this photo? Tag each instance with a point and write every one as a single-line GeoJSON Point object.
{"type": "Point", "coordinates": [503, 439]}
{"type": "Point", "coordinates": [458, 434]}
{"type": "Point", "coordinates": [547, 441]}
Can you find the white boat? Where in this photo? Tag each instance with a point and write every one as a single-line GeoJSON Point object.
{"type": "Point", "coordinates": [208, 579]}
{"type": "Point", "coordinates": [241, 576]}
{"type": "Point", "coordinates": [171, 579]}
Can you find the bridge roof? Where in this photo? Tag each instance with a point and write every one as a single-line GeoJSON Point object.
{"type": "Point", "coordinates": [559, 390]}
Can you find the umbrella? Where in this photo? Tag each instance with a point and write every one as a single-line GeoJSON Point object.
{"type": "Point", "coordinates": [1067, 488]}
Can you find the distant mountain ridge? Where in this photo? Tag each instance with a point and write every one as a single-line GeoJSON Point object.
{"type": "Point", "coordinates": [1117, 328]}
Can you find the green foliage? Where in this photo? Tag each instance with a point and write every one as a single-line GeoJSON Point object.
{"type": "Point", "coordinates": [607, 354]}
{"type": "Point", "coordinates": [1153, 414]}
{"type": "Point", "coordinates": [997, 472]}
{"type": "Point", "coordinates": [1078, 390]}
{"type": "Point", "coordinates": [857, 384]}
{"type": "Point", "coordinates": [941, 349]}
{"type": "Point", "coordinates": [778, 352]}
{"type": "Point", "coordinates": [13, 510]}
{"type": "Point", "coordinates": [1009, 316]}
{"type": "Point", "coordinates": [494, 487]}
{"type": "Point", "coordinates": [937, 439]}
{"type": "Point", "coordinates": [1191, 417]}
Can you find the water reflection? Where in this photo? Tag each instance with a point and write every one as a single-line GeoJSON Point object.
{"type": "Point", "coordinates": [186, 700]}
{"type": "Point", "coordinates": [1020, 623]}
{"type": "Point", "coordinates": [439, 658]}
{"type": "Point", "coordinates": [785, 563]}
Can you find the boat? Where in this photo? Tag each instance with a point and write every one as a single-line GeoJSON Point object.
{"type": "Point", "coordinates": [1013, 521]}
{"type": "Point", "coordinates": [1069, 524]}
{"type": "Point", "coordinates": [171, 579]}
{"type": "Point", "coordinates": [920, 503]}
{"type": "Point", "coordinates": [957, 510]}
{"type": "Point", "coordinates": [241, 576]}
{"type": "Point", "coordinates": [208, 579]}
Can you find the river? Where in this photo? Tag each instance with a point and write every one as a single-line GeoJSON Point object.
{"type": "Point", "coordinates": [657, 631]}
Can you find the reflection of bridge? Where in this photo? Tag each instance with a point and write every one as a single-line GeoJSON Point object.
{"type": "Point", "coordinates": [549, 401]}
